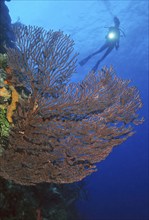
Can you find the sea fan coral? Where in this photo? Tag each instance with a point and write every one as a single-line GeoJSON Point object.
{"type": "Point", "coordinates": [61, 129]}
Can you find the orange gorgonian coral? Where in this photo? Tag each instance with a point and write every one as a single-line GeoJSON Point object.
{"type": "Point", "coordinates": [61, 129]}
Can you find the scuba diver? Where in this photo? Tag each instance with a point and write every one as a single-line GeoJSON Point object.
{"type": "Point", "coordinates": [112, 41]}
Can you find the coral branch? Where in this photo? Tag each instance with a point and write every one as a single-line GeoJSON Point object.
{"type": "Point", "coordinates": [61, 130]}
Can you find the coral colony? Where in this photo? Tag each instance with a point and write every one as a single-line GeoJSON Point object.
{"type": "Point", "coordinates": [52, 130]}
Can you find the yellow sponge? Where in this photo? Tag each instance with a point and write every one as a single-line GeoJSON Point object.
{"type": "Point", "coordinates": [12, 106]}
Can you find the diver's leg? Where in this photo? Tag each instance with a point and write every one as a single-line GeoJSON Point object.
{"type": "Point", "coordinates": [82, 62]}
{"type": "Point", "coordinates": [100, 50]}
{"type": "Point", "coordinates": [96, 66]}
{"type": "Point", "coordinates": [102, 58]}
{"type": "Point", "coordinates": [106, 53]}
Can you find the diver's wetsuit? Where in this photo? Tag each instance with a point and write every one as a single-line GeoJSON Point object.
{"type": "Point", "coordinates": [109, 44]}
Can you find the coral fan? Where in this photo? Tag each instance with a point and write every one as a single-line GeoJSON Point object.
{"type": "Point", "coordinates": [62, 129]}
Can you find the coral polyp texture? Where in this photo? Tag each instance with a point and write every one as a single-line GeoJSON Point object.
{"type": "Point", "coordinates": [59, 130]}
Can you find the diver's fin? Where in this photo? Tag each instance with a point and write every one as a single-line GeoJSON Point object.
{"type": "Point", "coordinates": [96, 66]}
{"type": "Point", "coordinates": [84, 61]}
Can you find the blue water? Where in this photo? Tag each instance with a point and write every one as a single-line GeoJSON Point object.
{"type": "Point", "coordinates": [120, 188]}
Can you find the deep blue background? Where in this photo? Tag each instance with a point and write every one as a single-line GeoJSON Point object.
{"type": "Point", "coordinates": [119, 190]}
